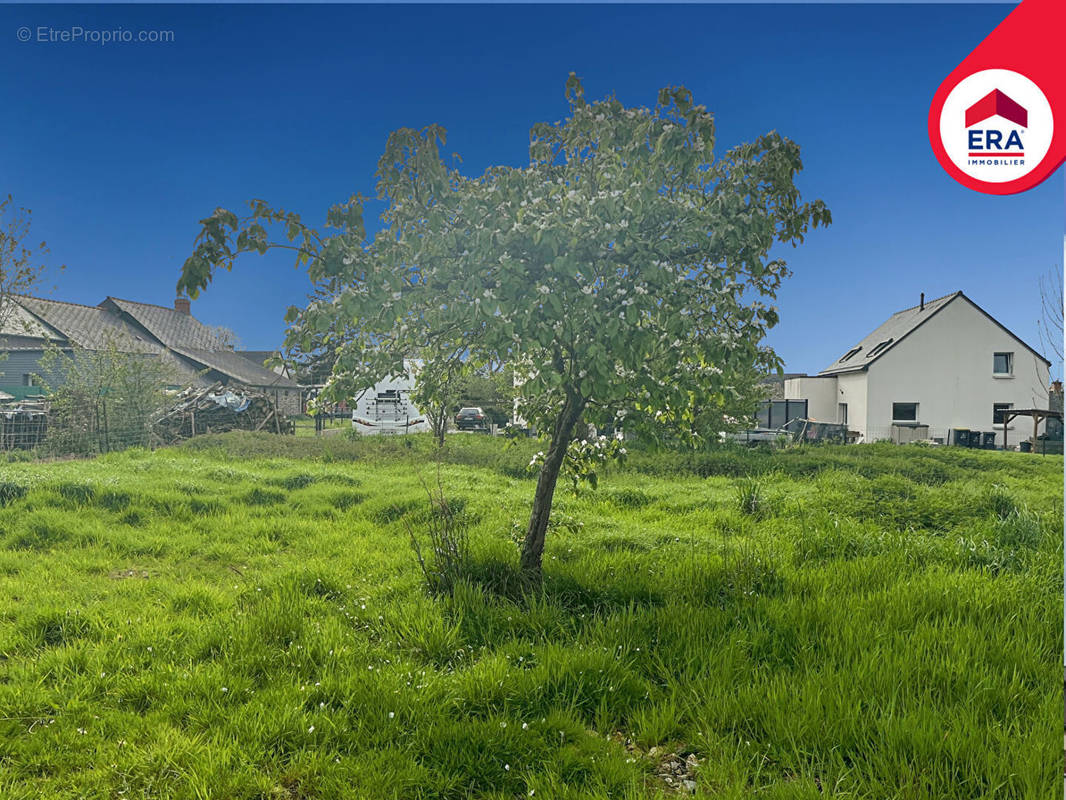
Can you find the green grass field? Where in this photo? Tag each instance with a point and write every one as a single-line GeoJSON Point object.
{"type": "Point", "coordinates": [243, 618]}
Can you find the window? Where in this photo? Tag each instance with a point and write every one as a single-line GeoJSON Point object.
{"type": "Point", "coordinates": [997, 412]}
{"type": "Point", "coordinates": [1003, 364]}
{"type": "Point", "coordinates": [904, 412]}
{"type": "Point", "coordinates": [880, 346]}
{"type": "Point", "coordinates": [842, 413]}
{"type": "Point", "coordinates": [29, 379]}
{"type": "Point", "coordinates": [850, 353]}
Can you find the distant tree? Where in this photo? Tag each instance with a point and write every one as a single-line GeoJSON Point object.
{"type": "Point", "coordinates": [226, 337]}
{"type": "Point", "coordinates": [490, 389]}
{"type": "Point", "coordinates": [443, 386]}
{"type": "Point", "coordinates": [104, 399]}
{"type": "Point", "coordinates": [21, 264]}
{"type": "Point", "coordinates": [1051, 313]}
{"type": "Point", "coordinates": [626, 267]}
{"type": "Point", "coordinates": [437, 385]}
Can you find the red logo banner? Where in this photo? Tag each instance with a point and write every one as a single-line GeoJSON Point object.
{"type": "Point", "coordinates": [997, 123]}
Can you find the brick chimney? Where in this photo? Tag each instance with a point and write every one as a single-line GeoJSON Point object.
{"type": "Point", "coordinates": [183, 305]}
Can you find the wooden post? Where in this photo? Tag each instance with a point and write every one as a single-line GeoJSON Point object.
{"type": "Point", "coordinates": [1036, 425]}
{"type": "Point", "coordinates": [107, 438]}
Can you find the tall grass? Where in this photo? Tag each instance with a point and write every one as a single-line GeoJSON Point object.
{"type": "Point", "coordinates": [243, 617]}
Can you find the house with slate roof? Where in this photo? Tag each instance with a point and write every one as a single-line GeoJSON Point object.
{"type": "Point", "coordinates": [942, 365]}
{"type": "Point", "coordinates": [195, 353]}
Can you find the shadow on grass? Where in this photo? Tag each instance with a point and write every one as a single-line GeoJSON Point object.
{"type": "Point", "coordinates": [500, 577]}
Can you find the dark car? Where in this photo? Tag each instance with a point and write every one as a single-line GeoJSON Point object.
{"type": "Point", "coordinates": [471, 419]}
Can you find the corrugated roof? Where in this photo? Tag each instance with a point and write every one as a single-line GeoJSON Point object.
{"type": "Point", "coordinates": [90, 327]}
{"type": "Point", "coordinates": [173, 328]}
{"type": "Point", "coordinates": [893, 330]}
{"type": "Point", "coordinates": [233, 364]}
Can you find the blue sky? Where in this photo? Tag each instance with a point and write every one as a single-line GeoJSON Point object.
{"type": "Point", "coordinates": [120, 149]}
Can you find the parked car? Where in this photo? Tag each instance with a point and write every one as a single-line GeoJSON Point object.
{"type": "Point", "coordinates": [471, 419]}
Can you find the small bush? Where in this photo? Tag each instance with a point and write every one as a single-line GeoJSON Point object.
{"type": "Point", "coordinates": [447, 559]}
{"type": "Point", "coordinates": [750, 497]}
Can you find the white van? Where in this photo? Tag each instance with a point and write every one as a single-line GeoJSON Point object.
{"type": "Point", "coordinates": [388, 407]}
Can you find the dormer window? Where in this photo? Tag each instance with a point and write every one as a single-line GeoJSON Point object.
{"type": "Point", "coordinates": [850, 353]}
{"type": "Point", "coordinates": [880, 347]}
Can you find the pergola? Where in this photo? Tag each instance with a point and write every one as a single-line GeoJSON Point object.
{"type": "Point", "coordinates": [1038, 415]}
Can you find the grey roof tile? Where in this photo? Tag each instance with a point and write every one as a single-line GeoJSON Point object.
{"type": "Point", "coordinates": [90, 327]}
{"type": "Point", "coordinates": [235, 365]}
{"type": "Point", "coordinates": [895, 328]}
{"type": "Point", "coordinates": [173, 328]}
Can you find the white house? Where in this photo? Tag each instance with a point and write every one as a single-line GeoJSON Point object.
{"type": "Point", "coordinates": [942, 365]}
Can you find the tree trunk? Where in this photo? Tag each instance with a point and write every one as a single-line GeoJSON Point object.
{"type": "Point", "coordinates": [438, 419]}
{"type": "Point", "coordinates": [533, 545]}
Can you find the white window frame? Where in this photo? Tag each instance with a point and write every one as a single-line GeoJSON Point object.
{"type": "Point", "coordinates": [1010, 364]}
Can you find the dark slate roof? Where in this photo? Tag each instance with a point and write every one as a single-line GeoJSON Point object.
{"type": "Point", "coordinates": [900, 325]}
{"type": "Point", "coordinates": [235, 365]}
{"type": "Point", "coordinates": [257, 356]}
{"type": "Point", "coordinates": [173, 328]}
{"type": "Point", "coordinates": [90, 327]}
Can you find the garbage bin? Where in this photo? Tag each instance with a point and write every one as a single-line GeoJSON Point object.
{"type": "Point", "coordinates": [1025, 446]}
{"type": "Point", "coordinates": [988, 440]}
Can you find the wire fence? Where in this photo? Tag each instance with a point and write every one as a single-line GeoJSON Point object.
{"type": "Point", "coordinates": [87, 434]}
{"type": "Point", "coordinates": [40, 428]}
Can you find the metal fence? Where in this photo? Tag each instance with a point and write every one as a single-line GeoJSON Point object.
{"type": "Point", "coordinates": [40, 429]}
{"type": "Point", "coordinates": [990, 438]}
{"type": "Point", "coordinates": [774, 414]}
{"type": "Point", "coordinates": [76, 428]}
{"type": "Point", "coordinates": [22, 428]}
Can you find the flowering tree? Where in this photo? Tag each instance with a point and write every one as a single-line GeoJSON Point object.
{"type": "Point", "coordinates": [627, 267]}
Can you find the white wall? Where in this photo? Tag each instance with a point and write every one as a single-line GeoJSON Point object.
{"type": "Point", "coordinates": [946, 367]}
{"type": "Point", "coordinates": [820, 394]}
{"type": "Point", "coordinates": [851, 389]}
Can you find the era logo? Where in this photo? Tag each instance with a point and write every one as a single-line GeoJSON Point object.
{"type": "Point", "coordinates": [996, 104]}
{"type": "Point", "coordinates": [993, 140]}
